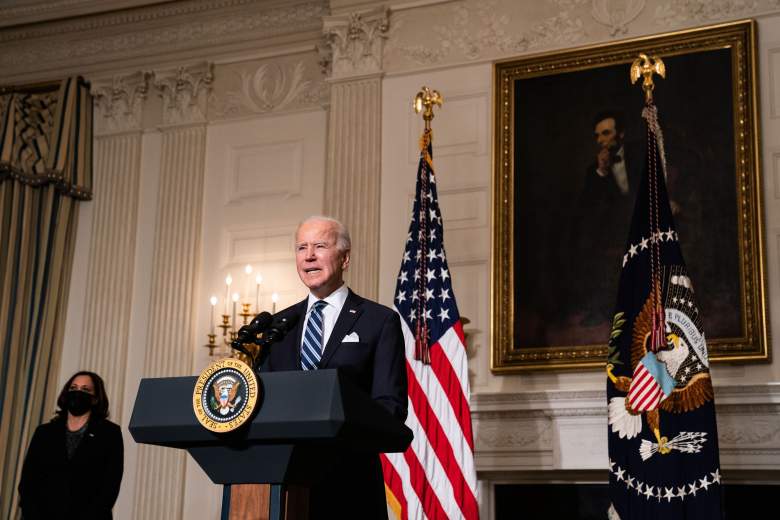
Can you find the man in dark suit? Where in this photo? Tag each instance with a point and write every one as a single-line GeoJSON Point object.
{"type": "Point", "coordinates": [611, 182]}
{"type": "Point", "coordinates": [602, 218]}
{"type": "Point", "coordinates": [339, 329]}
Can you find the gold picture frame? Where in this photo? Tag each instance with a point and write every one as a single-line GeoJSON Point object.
{"type": "Point", "coordinates": [544, 316]}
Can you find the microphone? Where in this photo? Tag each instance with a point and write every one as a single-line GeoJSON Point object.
{"type": "Point", "coordinates": [248, 333]}
{"type": "Point", "coordinates": [280, 326]}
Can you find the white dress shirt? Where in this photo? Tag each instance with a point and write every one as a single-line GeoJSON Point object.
{"type": "Point", "coordinates": [330, 313]}
{"type": "Point", "coordinates": [619, 173]}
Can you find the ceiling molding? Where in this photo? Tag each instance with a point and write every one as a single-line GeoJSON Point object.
{"type": "Point", "coordinates": [154, 34]}
{"type": "Point", "coordinates": [23, 12]}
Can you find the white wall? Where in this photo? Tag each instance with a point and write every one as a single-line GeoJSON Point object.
{"type": "Point", "coordinates": [462, 145]}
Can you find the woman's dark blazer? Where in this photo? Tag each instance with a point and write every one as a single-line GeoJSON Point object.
{"type": "Point", "coordinates": [84, 487]}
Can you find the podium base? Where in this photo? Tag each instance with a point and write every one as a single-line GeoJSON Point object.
{"type": "Point", "coordinates": [264, 502]}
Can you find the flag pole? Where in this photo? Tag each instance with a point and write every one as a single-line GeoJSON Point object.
{"type": "Point", "coordinates": [424, 102]}
{"type": "Point", "coordinates": [645, 66]}
{"type": "Point", "coordinates": [663, 382]}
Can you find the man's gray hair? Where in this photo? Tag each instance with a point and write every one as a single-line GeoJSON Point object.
{"type": "Point", "coordinates": [343, 241]}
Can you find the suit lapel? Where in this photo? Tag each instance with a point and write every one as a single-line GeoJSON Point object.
{"type": "Point", "coordinates": [350, 312]}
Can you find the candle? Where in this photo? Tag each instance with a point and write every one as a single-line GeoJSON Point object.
{"type": "Point", "coordinates": [258, 281]}
{"type": "Point", "coordinates": [213, 301]}
{"type": "Point", "coordinates": [228, 281]}
{"type": "Point", "coordinates": [236, 296]}
{"type": "Point", "coordinates": [247, 282]}
{"type": "Point", "coordinates": [274, 299]}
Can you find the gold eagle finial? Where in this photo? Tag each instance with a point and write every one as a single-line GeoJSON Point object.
{"type": "Point", "coordinates": [646, 66]}
{"type": "Point", "coordinates": [424, 101]}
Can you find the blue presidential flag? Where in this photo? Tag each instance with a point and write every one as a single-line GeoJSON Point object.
{"type": "Point", "coordinates": [663, 442]}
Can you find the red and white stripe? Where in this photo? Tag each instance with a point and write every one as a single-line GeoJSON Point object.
{"type": "Point", "coordinates": [435, 478]}
{"type": "Point", "coordinates": [645, 393]}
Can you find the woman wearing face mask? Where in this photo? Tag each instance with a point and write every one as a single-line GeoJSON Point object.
{"type": "Point", "coordinates": [73, 466]}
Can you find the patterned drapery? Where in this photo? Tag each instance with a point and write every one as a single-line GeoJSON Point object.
{"type": "Point", "coordinates": [45, 169]}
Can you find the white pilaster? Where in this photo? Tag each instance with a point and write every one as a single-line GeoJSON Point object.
{"type": "Point", "coordinates": [170, 339]}
{"type": "Point", "coordinates": [109, 278]}
{"type": "Point", "coordinates": [352, 181]}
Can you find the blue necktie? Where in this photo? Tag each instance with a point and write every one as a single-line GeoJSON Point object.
{"type": "Point", "coordinates": [311, 351]}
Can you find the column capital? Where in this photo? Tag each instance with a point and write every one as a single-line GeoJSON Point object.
{"type": "Point", "coordinates": [119, 102]}
{"type": "Point", "coordinates": [353, 43]}
{"type": "Point", "coordinates": [185, 92]}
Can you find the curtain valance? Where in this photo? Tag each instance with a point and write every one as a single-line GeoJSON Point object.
{"type": "Point", "coordinates": [46, 138]}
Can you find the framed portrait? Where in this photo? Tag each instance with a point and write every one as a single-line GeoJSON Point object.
{"type": "Point", "coordinates": [555, 270]}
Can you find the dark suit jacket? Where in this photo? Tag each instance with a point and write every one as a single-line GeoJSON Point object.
{"type": "Point", "coordinates": [84, 487]}
{"type": "Point", "coordinates": [377, 364]}
{"type": "Point", "coordinates": [601, 194]}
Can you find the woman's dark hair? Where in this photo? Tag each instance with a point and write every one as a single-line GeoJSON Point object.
{"type": "Point", "coordinates": [99, 409]}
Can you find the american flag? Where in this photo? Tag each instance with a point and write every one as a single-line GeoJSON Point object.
{"type": "Point", "coordinates": [435, 478]}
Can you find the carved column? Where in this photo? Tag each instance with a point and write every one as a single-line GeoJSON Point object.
{"type": "Point", "coordinates": [171, 320]}
{"type": "Point", "coordinates": [352, 179]}
{"type": "Point", "coordinates": [119, 105]}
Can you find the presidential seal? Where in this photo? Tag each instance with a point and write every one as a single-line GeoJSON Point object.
{"type": "Point", "coordinates": [225, 395]}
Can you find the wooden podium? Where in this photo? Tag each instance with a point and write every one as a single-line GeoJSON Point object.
{"type": "Point", "coordinates": [305, 419]}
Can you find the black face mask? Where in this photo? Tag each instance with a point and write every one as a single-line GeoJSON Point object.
{"type": "Point", "coordinates": [78, 402]}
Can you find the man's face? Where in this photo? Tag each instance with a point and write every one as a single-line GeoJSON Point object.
{"type": "Point", "coordinates": [606, 135]}
{"type": "Point", "coordinates": [320, 263]}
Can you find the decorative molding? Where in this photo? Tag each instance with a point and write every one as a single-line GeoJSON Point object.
{"type": "Point", "coordinates": [265, 169]}
{"type": "Point", "coordinates": [616, 14]}
{"type": "Point", "coordinates": [325, 55]}
{"type": "Point", "coordinates": [748, 428]}
{"type": "Point", "coordinates": [508, 415]}
{"type": "Point", "coordinates": [769, 393]}
{"type": "Point", "coordinates": [465, 208]}
{"type": "Point", "coordinates": [514, 434]}
{"type": "Point", "coordinates": [753, 434]}
{"type": "Point", "coordinates": [185, 93]}
{"type": "Point", "coordinates": [25, 12]}
{"type": "Point", "coordinates": [176, 29]}
{"type": "Point", "coordinates": [676, 12]}
{"type": "Point", "coordinates": [356, 41]}
{"type": "Point", "coordinates": [478, 30]}
{"type": "Point", "coordinates": [773, 64]}
{"type": "Point", "coordinates": [534, 399]}
{"type": "Point", "coordinates": [272, 87]}
{"type": "Point", "coordinates": [271, 16]}
{"type": "Point", "coordinates": [119, 102]}
{"type": "Point", "coordinates": [258, 245]}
